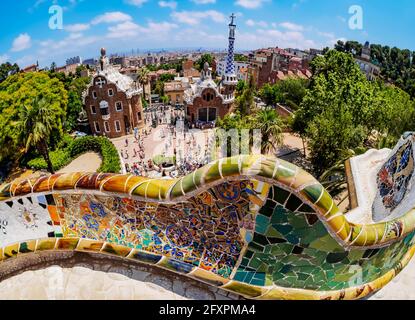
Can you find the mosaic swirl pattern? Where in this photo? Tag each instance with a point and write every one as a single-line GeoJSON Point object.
{"type": "Point", "coordinates": [260, 227]}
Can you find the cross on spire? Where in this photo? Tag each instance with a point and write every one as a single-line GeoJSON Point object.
{"type": "Point", "coordinates": [233, 16]}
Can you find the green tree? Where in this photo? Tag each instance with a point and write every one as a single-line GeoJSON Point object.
{"type": "Point", "coordinates": [75, 86]}
{"type": "Point", "coordinates": [17, 95]}
{"type": "Point", "coordinates": [330, 134]}
{"type": "Point", "coordinates": [207, 57]}
{"type": "Point", "coordinates": [143, 78]}
{"type": "Point", "coordinates": [271, 126]}
{"type": "Point", "coordinates": [271, 94]}
{"type": "Point", "coordinates": [165, 99]}
{"type": "Point", "coordinates": [342, 110]}
{"type": "Point", "coordinates": [240, 87]}
{"type": "Point", "coordinates": [35, 125]}
{"type": "Point", "coordinates": [246, 101]}
{"type": "Point", "coordinates": [7, 69]}
{"type": "Point", "coordinates": [53, 67]}
{"type": "Point", "coordinates": [293, 91]}
{"type": "Point", "coordinates": [241, 57]}
{"type": "Point", "coordinates": [334, 113]}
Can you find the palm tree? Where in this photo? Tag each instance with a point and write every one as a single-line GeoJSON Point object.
{"type": "Point", "coordinates": [143, 78]}
{"type": "Point", "coordinates": [35, 126]}
{"type": "Point", "coordinates": [271, 126]}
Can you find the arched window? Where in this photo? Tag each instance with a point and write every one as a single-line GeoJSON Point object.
{"type": "Point", "coordinates": [103, 105]}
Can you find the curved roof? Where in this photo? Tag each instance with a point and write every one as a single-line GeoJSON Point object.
{"type": "Point", "coordinates": [124, 83]}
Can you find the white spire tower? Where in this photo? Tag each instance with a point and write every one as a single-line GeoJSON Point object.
{"type": "Point", "coordinates": [230, 72]}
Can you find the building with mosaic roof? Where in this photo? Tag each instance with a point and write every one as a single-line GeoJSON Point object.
{"type": "Point", "coordinates": [113, 102]}
{"type": "Point", "coordinates": [206, 100]}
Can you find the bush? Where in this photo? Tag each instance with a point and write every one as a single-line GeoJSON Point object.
{"type": "Point", "coordinates": [158, 160]}
{"type": "Point", "coordinates": [59, 158]}
{"type": "Point", "coordinates": [101, 145]}
{"type": "Point", "coordinates": [62, 157]}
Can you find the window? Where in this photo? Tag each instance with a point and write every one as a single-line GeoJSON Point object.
{"type": "Point", "coordinates": [203, 115]}
{"type": "Point", "coordinates": [94, 94]}
{"type": "Point", "coordinates": [207, 114]}
{"type": "Point", "coordinates": [110, 92]}
{"type": "Point", "coordinates": [208, 97]}
{"type": "Point", "coordinates": [106, 126]}
{"type": "Point", "coordinates": [93, 110]}
{"type": "Point", "coordinates": [118, 106]}
{"type": "Point", "coordinates": [117, 126]}
{"type": "Point", "coordinates": [100, 82]}
{"type": "Point", "coordinates": [97, 128]}
{"type": "Point", "coordinates": [103, 105]}
{"type": "Point", "coordinates": [212, 114]}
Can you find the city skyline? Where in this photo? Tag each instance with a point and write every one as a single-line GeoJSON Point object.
{"type": "Point", "coordinates": [123, 25]}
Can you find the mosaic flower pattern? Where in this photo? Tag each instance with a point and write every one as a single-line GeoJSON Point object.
{"type": "Point", "coordinates": [203, 231]}
{"type": "Point", "coordinates": [394, 177]}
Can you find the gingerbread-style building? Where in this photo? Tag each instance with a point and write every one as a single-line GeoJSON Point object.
{"type": "Point", "coordinates": [206, 100]}
{"type": "Point", "coordinates": [113, 102]}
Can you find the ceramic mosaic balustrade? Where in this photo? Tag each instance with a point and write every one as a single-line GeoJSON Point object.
{"type": "Point", "coordinates": [257, 226]}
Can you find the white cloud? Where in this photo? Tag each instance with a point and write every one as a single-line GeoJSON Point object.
{"type": "Point", "coordinates": [252, 23]}
{"type": "Point", "coordinates": [125, 29]}
{"type": "Point", "coordinates": [137, 3]}
{"type": "Point", "coordinates": [250, 4]}
{"type": "Point", "coordinates": [26, 60]}
{"type": "Point", "coordinates": [111, 17]}
{"type": "Point", "coordinates": [4, 58]}
{"type": "Point", "coordinates": [291, 26]}
{"type": "Point", "coordinates": [329, 35]}
{"type": "Point", "coordinates": [195, 17]}
{"type": "Point", "coordinates": [22, 42]}
{"type": "Point", "coordinates": [74, 36]}
{"type": "Point", "coordinates": [168, 4]}
{"type": "Point", "coordinates": [77, 27]}
{"type": "Point", "coordinates": [130, 29]}
{"type": "Point", "coordinates": [273, 37]}
{"type": "Point", "coordinates": [197, 37]}
{"type": "Point", "coordinates": [204, 1]}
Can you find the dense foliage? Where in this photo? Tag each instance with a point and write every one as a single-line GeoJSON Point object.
{"type": "Point", "coordinates": [59, 159]}
{"type": "Point", "coordinates": [341, 109]}
{"type": "Point", "coordinates": [75, 85]}
{"type": "Point", "coordinates": [199, 64]}
{"type": "Point", "coordinates": [101, 145]}
{"type": "Point", "coordinates": [62, 157]}
{"type": "Point", "coordinates": [397, 65]}
{"type": "Point", "coordinates": [241, 57]}
{"type": "Point", "coordinates": [178, 66]}
{"type": "Point", "coordinates": [289, 92]}
{"type": "Point", "coordinates": [8, 69]}
{"type": "Point", "coordinates": [20, 95]}
{"type": "Point", "coordinates": [266, 120]}
{"type": "Point", "coordinates": [245, 100]}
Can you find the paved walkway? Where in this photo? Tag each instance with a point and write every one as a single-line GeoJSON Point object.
{"type": "Point", "coordinates": [80, 284]}
{"type": "Point", "coordinates": [88, 162]}
{"type": "Point", "coordinates": [401, 287]}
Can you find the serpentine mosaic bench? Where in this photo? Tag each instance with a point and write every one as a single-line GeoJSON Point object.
{"type": "Point", "coordinates": [256, 226]}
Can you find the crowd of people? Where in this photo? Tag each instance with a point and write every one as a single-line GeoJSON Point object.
{"type": "Point", "coordinates": [181, 153]}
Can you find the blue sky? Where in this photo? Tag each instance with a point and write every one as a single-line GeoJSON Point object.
{"type": "Point", "coordinates": [122, 25]}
